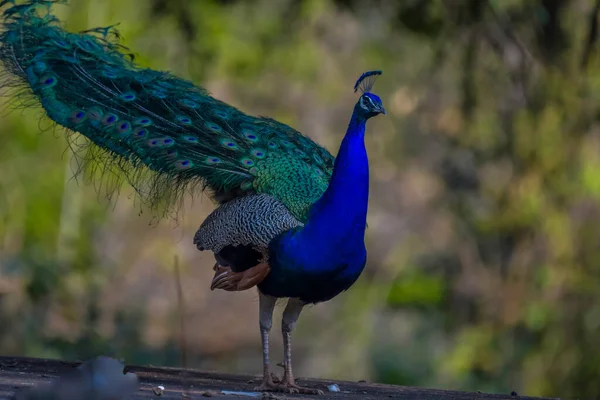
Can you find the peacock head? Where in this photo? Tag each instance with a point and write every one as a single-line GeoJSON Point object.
{"type": "Point", "coordinates": [369, 104]}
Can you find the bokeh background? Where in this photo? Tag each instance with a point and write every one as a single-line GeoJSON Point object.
{"type": "Point", "coordinates": [484, 233]}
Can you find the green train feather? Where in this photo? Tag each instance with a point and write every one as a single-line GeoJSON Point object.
{"type": "Point", "coordinates": [144, 119]}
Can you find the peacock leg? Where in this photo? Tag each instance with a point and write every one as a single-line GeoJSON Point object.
{"type": "Point", "coordinates": [266, 304]}
{"type": "Point", "coordinates": [290, 318]}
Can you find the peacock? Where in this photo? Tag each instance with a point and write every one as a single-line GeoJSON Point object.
{"type": "Point", "coordinates": [290, 218]}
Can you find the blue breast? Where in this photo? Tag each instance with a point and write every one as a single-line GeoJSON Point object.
{"type": "Point", "coordinates": [306, 276]}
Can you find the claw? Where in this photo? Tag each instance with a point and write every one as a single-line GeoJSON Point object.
{"type": "Point", "coordinates": [270, 385]}
{"type": "Point", "coordinates": [292, 388]}
{"type": "Point", "coordinates": [267, 385]}
{"type": "Point", "coordinates": [275, 378]}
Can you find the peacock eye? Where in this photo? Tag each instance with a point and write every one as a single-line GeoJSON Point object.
{"type": "Point", "coordinates": [363, 103]}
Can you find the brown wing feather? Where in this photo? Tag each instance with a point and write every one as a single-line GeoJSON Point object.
{"type": "Point", "coordinates": [231, 281]}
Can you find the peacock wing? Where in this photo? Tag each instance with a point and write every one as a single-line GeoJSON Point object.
{"type": "Point", "coordinates": [239, 233]}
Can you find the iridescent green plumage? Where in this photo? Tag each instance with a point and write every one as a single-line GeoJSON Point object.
{"type": "Point", "coordinates": [146, 119]}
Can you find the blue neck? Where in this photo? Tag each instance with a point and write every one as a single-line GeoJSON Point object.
{"type": "Point", "coordinates": [326, 256]}
{"type": "Point", "coordinates": [348, 192]}
{"type": "Point", "coordinates": [337, 221]}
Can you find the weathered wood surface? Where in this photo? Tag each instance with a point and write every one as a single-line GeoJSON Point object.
{"type": "Point", "coordinates": [17, 373]}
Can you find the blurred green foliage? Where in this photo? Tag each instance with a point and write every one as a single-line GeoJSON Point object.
{"type": "Point", "coordinates": [484, 241]}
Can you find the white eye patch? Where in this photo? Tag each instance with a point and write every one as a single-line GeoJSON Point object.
{"type": "Point", "coordinates": [362, 103]}
{"type": "Point", "coordinates": [366, 103]}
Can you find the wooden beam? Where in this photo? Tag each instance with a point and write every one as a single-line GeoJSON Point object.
{"type": "Point", "coordinates": [17, 373]}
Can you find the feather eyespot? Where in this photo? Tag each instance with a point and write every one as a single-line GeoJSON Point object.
{"type": "Point", "coordinates": [182, 119]}
{"type": "Point", "coordinates": [140, 132]}
{"type": "Point", "coordinates": [78, 116]}
{"type": "Point", "coordinates": [171, 153]}
{"type": "Point", "coordinates": [190, 139]}
{"type": "Point", "coordinates": [214, 127]}
{"type": "Point", "coordinates": [190, 103]}
{"type": "Point", "coordinates": [48, 81]}
{"type": "Point", "coordinates": [143, 121]}
{"type": "Point", "coordinates": [95, 114]}
{"type": "Point", "coordinates": [128, 96]}
{"type": "Point", "coordinates": [184, 164]}
{"type": "Point", "coordinates": [213, 160]}
{"type": "Point", "coordinates": [272, 145]}
{"type": "Point", "coordinates": [161, 142]}
{"type": "Point", "coordinates": [247, 162]}
{"type": "Point", "coordinates": [221, 114]}
{"type": "Point", "coordinates": [110, 119]}
{"type": "Point", "coordinates": [124, 127]}
{"type": "Point", "coordinates": [250, 135]}
{"type": "Point", "coordinates": [258, 153]}
{"type": "Point", "coordinates": [229, 144]}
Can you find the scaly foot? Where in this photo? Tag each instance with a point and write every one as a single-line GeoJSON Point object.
{"type": "Point", "coordinates": [275, 378]}
{"type": "Point", "coordinates": [292, 388]}
{"type": "Point", "coordinates": [267, 385]}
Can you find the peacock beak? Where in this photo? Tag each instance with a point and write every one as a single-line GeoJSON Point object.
{"type": "Point", "coordinates": [382, 110]}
